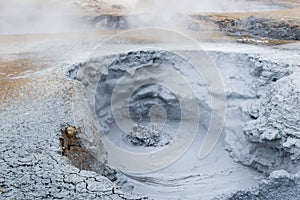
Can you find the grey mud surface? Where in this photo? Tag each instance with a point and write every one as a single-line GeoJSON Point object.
{"type": "Point", "coordinates": [31, 164]}
{"type": "Point", "coordinates": [249, 80]}
{"type": "Point", "coordinates": [280, 185]}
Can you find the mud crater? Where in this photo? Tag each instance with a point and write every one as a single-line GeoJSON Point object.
{"type": "Point", "coordinates": [247, 80]}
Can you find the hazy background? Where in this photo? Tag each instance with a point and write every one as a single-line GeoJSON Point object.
{"type": "Point", "coordinates": [168, 13]}
{"type": "Point", "coordinates": [37, 16]}
{"type": "Point", "coordinates": [51, 16]}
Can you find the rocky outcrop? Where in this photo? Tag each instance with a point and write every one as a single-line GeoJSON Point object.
{"type": "Point", "coordinates": [110, 22]}
{"type": "Point", "coordinates": [269, 139]}
{"type": "Point", "coordinates": [261, 28]}
{"type": "Point", "coordinates": [276, 126]}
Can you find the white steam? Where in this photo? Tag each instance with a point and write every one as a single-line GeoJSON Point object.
{"type": "Point", "coordinates": [37, 16]}
{"type": "Point", "coordinates": [50, 16]}
{"type": "Point", "coordinates": [169, 13]}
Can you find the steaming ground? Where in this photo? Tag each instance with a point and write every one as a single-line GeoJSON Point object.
{"type": "Point", "coordinates": [53, 16]}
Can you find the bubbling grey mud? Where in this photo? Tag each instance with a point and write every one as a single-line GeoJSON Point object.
{"type": "Point", "coordinates": [149, 103]}
{"type": "Point", "coordinates": [260, 93]}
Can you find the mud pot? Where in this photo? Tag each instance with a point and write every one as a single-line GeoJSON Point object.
{"type": "Point", "coordinates": [246, 99]}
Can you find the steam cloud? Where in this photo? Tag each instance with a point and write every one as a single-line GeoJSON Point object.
{"type": "Point", "coordinates": [50, 16]}
{"type": "Point", "coordinates": [164, 13]}
{"type": "Point", "coordinates": [37, 16]}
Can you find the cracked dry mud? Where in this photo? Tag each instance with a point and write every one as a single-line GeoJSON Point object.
{"type": "Point", "coordinates": [31, 165]}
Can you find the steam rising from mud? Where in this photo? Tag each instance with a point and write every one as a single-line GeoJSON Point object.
{"type": "Point", "coordinates": [50, 16]}
{"type": "Point", "coordinates": [167, 13]}
{"type": "Point", "coordinates": [170, 13]}
{"type": "Point", "coordinates": [37, 16]}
